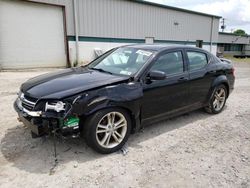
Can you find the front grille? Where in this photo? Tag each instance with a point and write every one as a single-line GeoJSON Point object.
{"type": "Point", "coordinates": [27, 102]}
{"type": "Point", "coordinates": [27, 106]}
{"type": "Point", "coordinates": [31, 99]}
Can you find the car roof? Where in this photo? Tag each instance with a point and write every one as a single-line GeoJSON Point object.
{"type": "Point", "coordinates": [161, 47]}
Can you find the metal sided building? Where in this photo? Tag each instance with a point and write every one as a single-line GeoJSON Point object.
{"type": "Point", "coordinates": [231, 44]}
{"type": "Point", "coordinates": [59, 33]}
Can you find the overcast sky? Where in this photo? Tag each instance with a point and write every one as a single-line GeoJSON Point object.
{"type": "Point", "coordinates": [235, 12]}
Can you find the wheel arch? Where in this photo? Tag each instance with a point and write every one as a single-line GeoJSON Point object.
{"type": "Point", "coordinates": [135, 120]}
{"type": "Point", "coordinates": [227, 87]}
{"type": "Point", "coordinates": [218, 81]}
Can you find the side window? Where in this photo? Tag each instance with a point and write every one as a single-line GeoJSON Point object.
{"type": "Point", "coordinates": [196, 60]}
{"type": "Point", "coordinates": [170, 63]}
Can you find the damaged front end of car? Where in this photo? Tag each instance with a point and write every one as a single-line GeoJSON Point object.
{"type": "Point", "coordinates": [65, 116]}
{"type": "Point", "coordinates": [45, 116]}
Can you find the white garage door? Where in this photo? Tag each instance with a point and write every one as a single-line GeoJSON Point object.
{"type": "Point", "coordinates": [31, 35]}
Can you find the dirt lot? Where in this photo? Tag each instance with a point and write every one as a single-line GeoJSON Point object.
{"type": "Point", "coordinates": [194, 150]}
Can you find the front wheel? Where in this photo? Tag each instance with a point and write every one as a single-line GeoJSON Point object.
{"type": "Point", "coordinates": [107, 130]}
{"type": "Point", "coordinates": [218, 100]}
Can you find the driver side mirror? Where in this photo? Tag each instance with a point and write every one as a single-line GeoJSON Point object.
{"type": "Point", "coordinates": [156, 75]}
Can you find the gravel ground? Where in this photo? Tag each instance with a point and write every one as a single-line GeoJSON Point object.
{"type": "Point", "coordinates": [193, 150]}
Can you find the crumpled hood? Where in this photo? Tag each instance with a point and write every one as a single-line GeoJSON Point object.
{"type": "Point", "coordinates": [67, 82]}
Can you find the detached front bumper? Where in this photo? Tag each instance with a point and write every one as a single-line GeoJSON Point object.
{"type": "Point", "coordinates": [43, 123]}
{"type": "Point", "coordinates": [33, 119]}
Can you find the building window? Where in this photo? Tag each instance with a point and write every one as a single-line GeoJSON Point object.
{"type": "Point", "coordinates": [231, 47]}
{"type": "Point", "coordinates": [199, 43]}
{"type": "Point", "coordinates": [236, 47]}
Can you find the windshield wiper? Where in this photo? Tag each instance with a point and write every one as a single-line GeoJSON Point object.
{"type": "Point", "coordinates": [101, 70]}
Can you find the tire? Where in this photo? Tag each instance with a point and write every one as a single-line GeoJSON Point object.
{"type": "Point", "coordinates": [212, 108]}
{"type": "Point", "coordinates": [104, 125]}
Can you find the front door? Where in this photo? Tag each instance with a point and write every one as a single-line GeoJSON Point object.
{"type": "Point", "coordinates": [163, 96]}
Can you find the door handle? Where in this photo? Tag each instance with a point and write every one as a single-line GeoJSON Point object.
{"type": "Point", "coordinates": [182, 79]}
{"type": "Point", "coordinates": [212, 72]}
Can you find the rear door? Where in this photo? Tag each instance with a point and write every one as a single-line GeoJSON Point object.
{"type": "Point", "coordinates": [200, 77]}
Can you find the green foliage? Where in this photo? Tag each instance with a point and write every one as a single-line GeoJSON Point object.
{"type": "Point", "coordinates": [240, 32]}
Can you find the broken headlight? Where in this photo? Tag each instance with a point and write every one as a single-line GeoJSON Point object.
{"type": "Point", "coordinates": [57, 106]}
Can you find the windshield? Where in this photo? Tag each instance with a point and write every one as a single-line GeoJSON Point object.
{"type": "Point", "coordinates": [123, 61]}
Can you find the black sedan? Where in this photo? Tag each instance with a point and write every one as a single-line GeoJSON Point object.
{"type": "Point", "coordinates": [123, 90]}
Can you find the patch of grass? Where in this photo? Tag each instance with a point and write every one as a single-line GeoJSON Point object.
{"type": "Point", "coordinates": [237, 60]}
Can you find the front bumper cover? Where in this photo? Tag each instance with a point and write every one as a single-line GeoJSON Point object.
{"type": "Point", "coordinates": [33, 119]}
{"type": "Point", "coordinates": [42, 123]}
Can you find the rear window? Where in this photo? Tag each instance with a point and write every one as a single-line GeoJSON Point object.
{"type": "Point", "coordinates": [197, 60]}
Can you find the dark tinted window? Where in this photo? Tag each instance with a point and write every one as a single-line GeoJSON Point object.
{"type": "Point", "coordinates": [196, 60]}
{"type": "Point", "coordinates": [231, 47]}
{"type": "Point", "coordinates": [170, 63]}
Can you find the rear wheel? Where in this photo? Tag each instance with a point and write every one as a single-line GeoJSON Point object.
{"type": "Point", "coordinates": [218, 100]}
{"type": "Point", "coordinates": [107, 130]}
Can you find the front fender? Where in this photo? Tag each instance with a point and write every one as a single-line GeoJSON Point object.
{"type": "Point", "coordinates": [125, 95]}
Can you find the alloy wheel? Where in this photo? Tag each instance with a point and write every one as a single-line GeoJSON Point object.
{"type": "Point", "coordinates": [111, 130]}
{"type": "Point", "coordinates": [219, 99]}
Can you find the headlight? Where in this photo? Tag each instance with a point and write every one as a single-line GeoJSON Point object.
{"type": "Point", "coordinates": [56, 106]}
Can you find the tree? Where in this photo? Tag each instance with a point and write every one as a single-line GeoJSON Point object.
{"type": "Point", "coordinates": [240, 32]}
